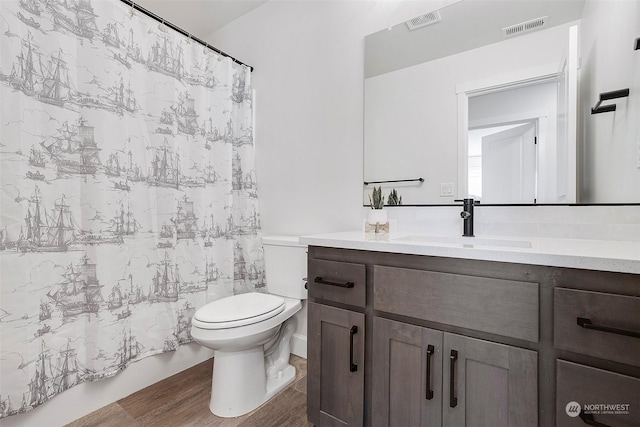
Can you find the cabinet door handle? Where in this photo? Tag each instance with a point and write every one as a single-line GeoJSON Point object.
{"type": "Point", "coordinates": [430, 351]}
{"type": "Point", "coordinates": [352, 366]}
{"type": "Point", "coordinates": [330, 283]}
{"type": "Point", "coordinates": [453, 400]}
{"type": "Point", "coordinates": [588, 419]}
{"type": "Point", "coordinates": [587, 324]}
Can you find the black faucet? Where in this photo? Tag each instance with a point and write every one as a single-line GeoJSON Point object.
{"type": "Point", "coordinates": [467, 215]}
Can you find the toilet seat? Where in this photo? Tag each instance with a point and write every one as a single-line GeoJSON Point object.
{"type": "Point", "coordinates": [238, 310]}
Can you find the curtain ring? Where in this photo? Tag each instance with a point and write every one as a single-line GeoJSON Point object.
{"type": "Point", "coordinates": [133, 9]}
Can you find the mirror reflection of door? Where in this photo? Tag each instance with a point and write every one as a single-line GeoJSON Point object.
{"type": "Point", "coordinates": [505, 165]}
{"type": "Point", "coordinates": [504, 171]}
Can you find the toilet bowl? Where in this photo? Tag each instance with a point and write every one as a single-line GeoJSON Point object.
{"type": "Point", "coordinates": [251, 333]}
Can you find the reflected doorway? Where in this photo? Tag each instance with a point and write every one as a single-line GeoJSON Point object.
{"type": "Point", "coordinates": [514, 143]}
{"type": "Point", "coordinates": [502, 163]}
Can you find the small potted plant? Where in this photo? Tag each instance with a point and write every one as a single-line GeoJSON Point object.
{"type": "Point", "coordinates": [377, 215]}
{"type": "Point", "coordinates": [394, 199]}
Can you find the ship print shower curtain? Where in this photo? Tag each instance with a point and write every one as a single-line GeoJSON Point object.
{"type": "Point", "coordinates": [127, 191]}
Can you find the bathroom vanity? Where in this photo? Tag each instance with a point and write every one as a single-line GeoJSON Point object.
{"type": "Point", "coordinates": [435, 331]}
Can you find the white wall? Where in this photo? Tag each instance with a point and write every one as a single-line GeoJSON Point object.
{"type": "Point", "coordinates": [610, 154]}
{"type": "Point", "coordinates": [309, 58]}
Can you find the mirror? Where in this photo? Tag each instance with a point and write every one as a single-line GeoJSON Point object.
{"type": "Point", "coordinates": [453, 101]}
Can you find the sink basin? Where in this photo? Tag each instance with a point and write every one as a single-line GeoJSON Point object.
{"type": "Point", "coordinates": [465, 241]}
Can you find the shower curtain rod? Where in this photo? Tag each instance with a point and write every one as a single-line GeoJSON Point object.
{"type": "Point", "coordinates": [181, 31]}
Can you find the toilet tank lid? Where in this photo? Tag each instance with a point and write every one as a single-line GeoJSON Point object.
{"type": "Point", "coordinates": [282, 240]}
{"type": "Point", "coordinates": [240, 307]}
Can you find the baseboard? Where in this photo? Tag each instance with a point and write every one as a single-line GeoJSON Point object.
{"type": "Point", "coordinates": [299, 345]}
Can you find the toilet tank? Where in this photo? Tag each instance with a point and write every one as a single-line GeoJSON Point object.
{"type": "Point", "coordinates": [286, 266]}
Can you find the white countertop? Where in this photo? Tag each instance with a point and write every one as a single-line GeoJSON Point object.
{"type": "Point", "coordinates": [616, 256]}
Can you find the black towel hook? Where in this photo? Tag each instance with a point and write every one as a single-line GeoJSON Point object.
{"type": "Point", "coordinates": [605, 96]}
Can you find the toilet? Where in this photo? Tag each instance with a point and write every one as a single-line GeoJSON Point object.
{"type": "Point", "coordinates": [251, 333]}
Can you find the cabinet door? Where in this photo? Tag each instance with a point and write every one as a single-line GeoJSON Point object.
{"type": "Point", "coordinates": [488, 384]}
{"type": "Point", "coordinates": [407, 375]}
{"type": "Point", "coordinates": [335, 363]}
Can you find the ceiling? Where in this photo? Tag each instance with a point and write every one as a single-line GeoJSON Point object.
{"type": "Point", "coordinates": [465, 25]}
{"type": "Point", "coordinates": [199, 17]}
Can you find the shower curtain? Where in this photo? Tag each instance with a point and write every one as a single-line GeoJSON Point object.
{"type": "Point", "coordinates": [127, 192]}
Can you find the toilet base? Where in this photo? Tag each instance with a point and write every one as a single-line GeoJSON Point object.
{"type": "Point", "coordinates": [239, 384]}
{"type": "Point", "coordinates": [276, 384]}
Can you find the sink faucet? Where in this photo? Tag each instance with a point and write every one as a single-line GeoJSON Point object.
{"type": "Point", "coordinates": [467, 215]}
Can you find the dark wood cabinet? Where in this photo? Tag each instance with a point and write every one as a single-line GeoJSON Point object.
{"type": "Point", "coordinates": [450, 342]}
{"type": "Point", "coordinates": [424, 377]}
{"type": "Point", "coordinates": [335, 378]}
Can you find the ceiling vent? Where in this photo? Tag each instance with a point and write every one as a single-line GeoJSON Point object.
{"type": "Point", "coordinates": [525, 27]}
{"type": "Point", "coordinates": [424, 20]}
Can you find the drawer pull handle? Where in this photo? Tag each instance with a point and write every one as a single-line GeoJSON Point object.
{"type": "Point", "coordinates": [330, 283]}
{"type": "Point", "coordinates": [588, 419]}
{"type": "Point", "coordinates": [430, 351]}
{"type": "Point", "coordinates": [352, 366]}
{"type": "Point", "coordinates": [586, 323]}
{"type": "Point", "coordinates": [453, 400]}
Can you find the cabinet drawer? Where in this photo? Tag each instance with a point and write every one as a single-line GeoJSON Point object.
{"type": "Point", "coordinates": [618, 314]}
{"type": "Point", "coordinates": [503, 307]}
{"type": "Point", "coordinates": [590, 386]}
{"type": "Point", "coordinates": [337, 281]}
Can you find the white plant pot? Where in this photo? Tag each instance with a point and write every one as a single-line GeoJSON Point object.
{"type": "Point", "coordinates": [376, 216]}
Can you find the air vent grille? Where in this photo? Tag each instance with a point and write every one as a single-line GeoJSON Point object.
{"type": "Point", "coordinates": [424, 20]}
{"type": "Point", "coordinates": [525, 27]}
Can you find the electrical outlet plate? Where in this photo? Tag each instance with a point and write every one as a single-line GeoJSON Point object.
{"type": "Point", "coordinates": [446, 189]}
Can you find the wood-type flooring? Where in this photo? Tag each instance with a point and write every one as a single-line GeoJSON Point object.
{"type": "Point", "coordinates": [183, 400]}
